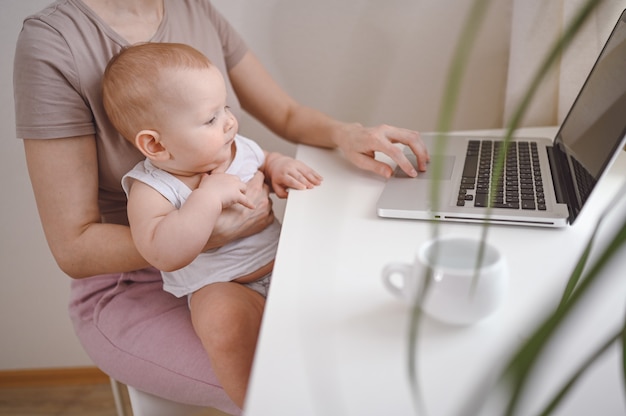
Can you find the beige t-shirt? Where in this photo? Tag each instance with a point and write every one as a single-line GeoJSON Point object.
{"type": "Point", "coordinates": [59, 61]}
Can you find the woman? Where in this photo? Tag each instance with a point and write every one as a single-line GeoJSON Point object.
{"type": "Point", "coordinates": [133, 330]}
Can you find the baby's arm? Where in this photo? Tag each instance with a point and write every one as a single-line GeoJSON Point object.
{"type": "Point", "coordinates": [284, 172]}
{"type": "Point", "coordinates": [171, 238]}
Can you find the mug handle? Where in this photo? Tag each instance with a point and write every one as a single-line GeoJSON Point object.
{"type": "Point", "coordinates": [404, 270]}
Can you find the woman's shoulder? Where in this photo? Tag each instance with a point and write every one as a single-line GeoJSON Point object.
{"type": "Point", "coordinates": [60, 55]}
{"type": "Point", "coordinates": [55, 32]}
{"type": "Point", "coordinates": [54, 20]}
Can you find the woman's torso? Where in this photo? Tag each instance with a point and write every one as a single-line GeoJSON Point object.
{"type": "Point", "coordinates": [60, 58]}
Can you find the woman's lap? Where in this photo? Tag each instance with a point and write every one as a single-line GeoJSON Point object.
{"type": "Point", "coordinates": [143, 337]}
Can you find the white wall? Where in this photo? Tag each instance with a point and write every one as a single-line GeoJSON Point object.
{"type": "Point", "coordinates": [359, 60]}
{"type": "Point", "coordinates": [377, 62]}
{"type": "Point", "coordinates": [36, 331]}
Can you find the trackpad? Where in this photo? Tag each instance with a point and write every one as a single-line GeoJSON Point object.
{"type": "Point", "coordinates": [445, 162]}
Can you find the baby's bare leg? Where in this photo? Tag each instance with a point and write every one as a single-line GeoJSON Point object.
{"type": "Point", "coordinates": [227, 318]}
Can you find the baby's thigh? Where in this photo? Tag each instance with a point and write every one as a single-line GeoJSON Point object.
{"type": "Point", "coordinates": [226, 313]}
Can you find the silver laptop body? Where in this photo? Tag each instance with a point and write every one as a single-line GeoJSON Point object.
{"type": "Point", "coordinates": [564, 173]}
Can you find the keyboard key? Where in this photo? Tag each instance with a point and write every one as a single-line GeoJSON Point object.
{"type": "Point", "coordinates": [470, 167]}
{"type": "Point", "coordinates": [509, 205]}
{"type": "Point", "coordinates": [481, 200]}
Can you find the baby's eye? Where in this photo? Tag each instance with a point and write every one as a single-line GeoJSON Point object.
{"type": "Point", "coordinates": [211, 120]}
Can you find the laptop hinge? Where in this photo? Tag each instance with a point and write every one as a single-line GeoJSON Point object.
{"type": "Point", "coordinates": [561, 178]}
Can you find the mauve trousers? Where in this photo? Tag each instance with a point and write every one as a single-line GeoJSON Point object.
{"type": "Point", "coordinates": [142, 336]}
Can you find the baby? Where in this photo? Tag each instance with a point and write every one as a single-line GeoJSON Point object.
{"type": "Point", "coordinates": [169, 100]}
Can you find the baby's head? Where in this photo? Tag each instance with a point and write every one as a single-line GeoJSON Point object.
{"type": "Point", "coordinates": [135, 88]}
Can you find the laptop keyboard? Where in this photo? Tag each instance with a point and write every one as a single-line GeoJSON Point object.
{"type": "Point", "coordinates": [520, 185]}
{"type": "Point", "coordinates": [584, 180]}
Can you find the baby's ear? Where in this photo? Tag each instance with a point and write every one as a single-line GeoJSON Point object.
{"type": "Point", "coordinates": [149, 143]}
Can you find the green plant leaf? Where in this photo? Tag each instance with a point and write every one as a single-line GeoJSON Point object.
{"type": "Point", "coordinates": [570, 383]}
{"type": "Point", "coordinates": [521, 363]}
{"type": "Point", "coordinates": [450, 98]}
{"type": "Point", "coordinates": [623, 340]}
{"type": "Point", "coordinates": [582, 261]}
{"type": "Point", "coordinates": [453, 83]}
{"type": "Point", "coordinates": [525, 358]}
{"type": "Point", "coordinates": [550, 60]}
{"type": "Point", "coordinates": [578, 271]}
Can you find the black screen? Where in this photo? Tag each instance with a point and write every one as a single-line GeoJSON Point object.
{"type": "Point", "coordinates": [595, 125]}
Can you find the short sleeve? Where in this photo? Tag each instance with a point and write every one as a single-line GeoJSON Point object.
{"type": "Point", "coordinates": [233, 45]}
{"type": "Point", "coordinates": [48, 102]}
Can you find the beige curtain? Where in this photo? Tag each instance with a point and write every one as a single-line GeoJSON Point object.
{"type": "Point", "coordinates": [535, 26]}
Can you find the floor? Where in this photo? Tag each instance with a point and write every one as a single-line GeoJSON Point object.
{"type": "Point", "coordinates": [71, 400]}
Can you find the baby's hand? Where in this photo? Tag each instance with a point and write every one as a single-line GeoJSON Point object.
{"type": "Point", "coordinates": [285, 172]}
{"type": "Point", "coordinates": [229, 189]}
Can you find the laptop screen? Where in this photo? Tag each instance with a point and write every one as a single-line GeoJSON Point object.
{"type": "Point", "coordinates": [596, 123]}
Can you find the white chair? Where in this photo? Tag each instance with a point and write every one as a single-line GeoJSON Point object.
{"type": "Point", "coordinates": [144, 404]}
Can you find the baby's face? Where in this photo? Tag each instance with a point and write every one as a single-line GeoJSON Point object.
{"type": "Point", "coordinates": [198, 128]}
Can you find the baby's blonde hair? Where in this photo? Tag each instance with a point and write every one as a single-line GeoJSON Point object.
{"type": "Point", "coordinates": [132, 84]}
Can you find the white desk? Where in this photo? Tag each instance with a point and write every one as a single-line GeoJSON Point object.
{"type": "Point", "coordinates": [334, 341]}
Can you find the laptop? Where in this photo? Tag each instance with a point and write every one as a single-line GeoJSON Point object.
{"type": "Point", "coordinates": [544, 182]}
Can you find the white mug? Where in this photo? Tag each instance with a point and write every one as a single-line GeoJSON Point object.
{"type": "Point", "coordinates": [458, 292]}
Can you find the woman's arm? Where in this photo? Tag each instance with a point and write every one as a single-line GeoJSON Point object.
{"type": "Point", "coordinates": [170, 238]}
{"type": "Point", "coordinates": [64, 176]}
{"type": "Point", "coordinates": [264, 99]}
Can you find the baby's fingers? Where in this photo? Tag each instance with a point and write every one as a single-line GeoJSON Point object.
{"type": "Point", "coordinates": [243, 200]}
{"type": "Point", "coordinates": [299, 182]}
{"type": "Point", "coordinates": [303, 179]}
{"type": "Point", "coordinates": [313, 177]}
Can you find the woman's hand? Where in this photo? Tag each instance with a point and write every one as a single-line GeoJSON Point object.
{"type": "Point", "coordinates": [238, 221]}
{"type": "Point", "coordinates": [359, 145]}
